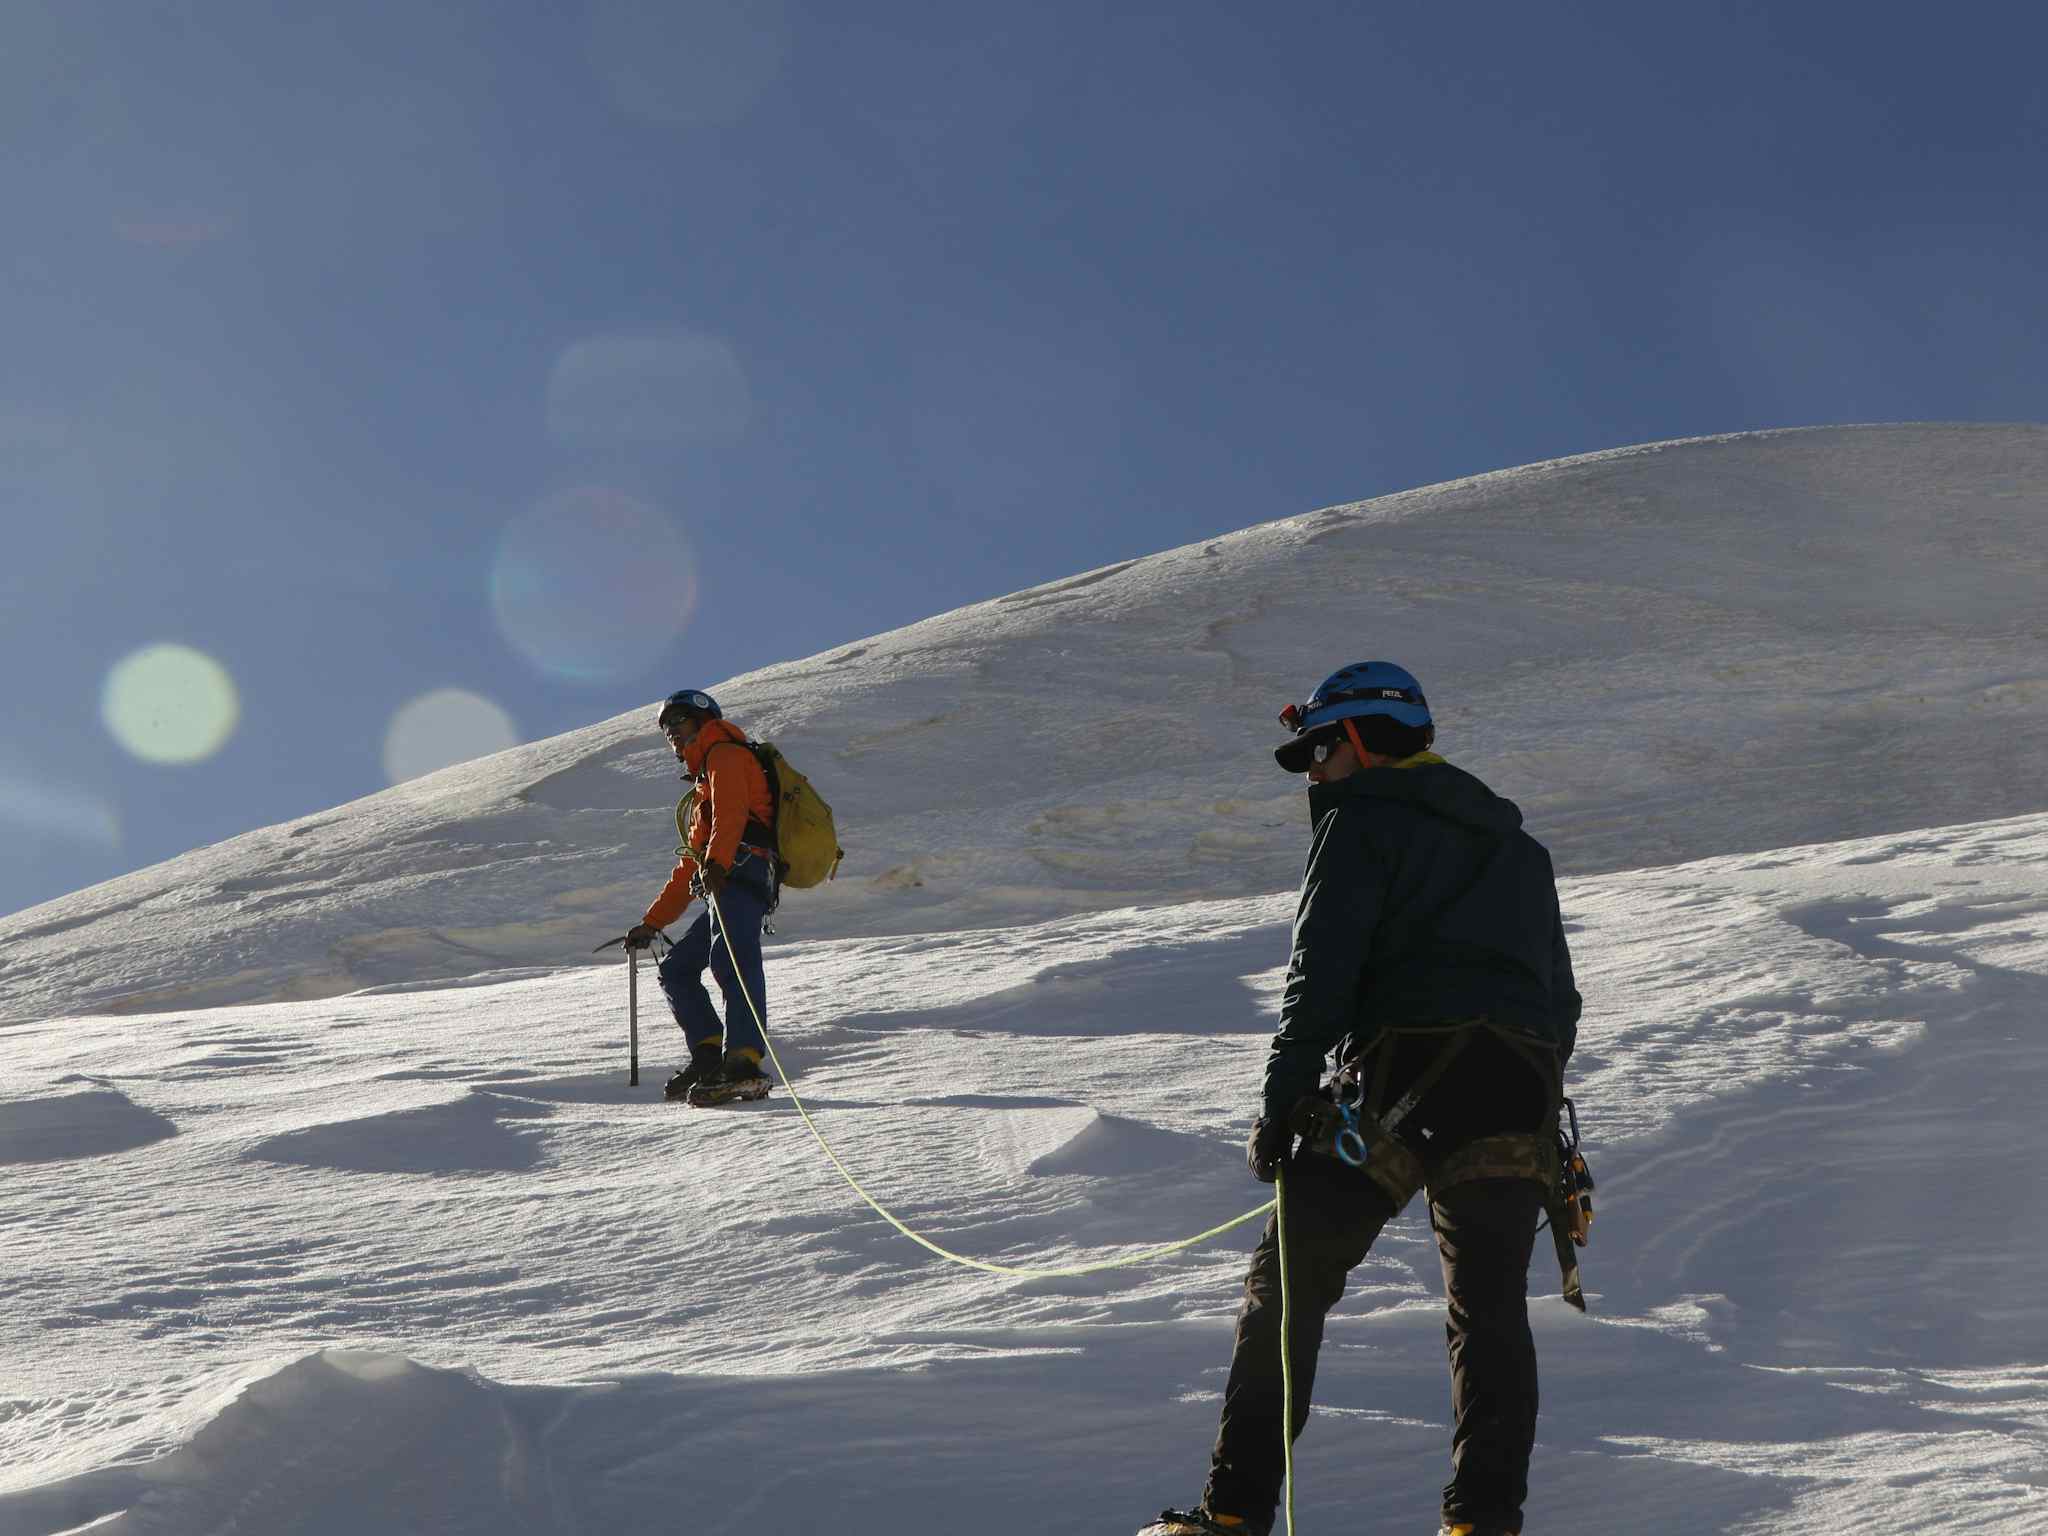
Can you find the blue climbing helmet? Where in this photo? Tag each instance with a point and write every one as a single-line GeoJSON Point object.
{"type": "Point", "coordinates": [687, 704]}
{"type": "Point", "coordinates": [1363, 688]}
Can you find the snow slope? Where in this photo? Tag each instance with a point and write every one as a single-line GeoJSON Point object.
{"type": "Point", "coordinates": [416, 1258]}
{"type": "Point", "coordinates": [1662, 652]}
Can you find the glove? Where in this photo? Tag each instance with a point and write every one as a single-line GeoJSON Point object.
{"type": "Point", "coordinates": [1267, 1148]}
{"type": "Point", "coordinates": [642, 936]}
{"type": "Point", "coordinates": [713, 877]}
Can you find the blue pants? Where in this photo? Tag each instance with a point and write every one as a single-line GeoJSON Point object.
{"type": "Point", "coordinates": [744, 905]}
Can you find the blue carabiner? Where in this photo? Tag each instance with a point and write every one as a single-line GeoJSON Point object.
{"type": "Point", "coordinates": [1350, 1145]}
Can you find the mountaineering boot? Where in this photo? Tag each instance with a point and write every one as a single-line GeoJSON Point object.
{"type": "Point", "coordinates": [1201, 1522]}
{"type": "Point", "coordinates": [739, 1078]}
{"type": "Point", "coordinates": [703, 1067]}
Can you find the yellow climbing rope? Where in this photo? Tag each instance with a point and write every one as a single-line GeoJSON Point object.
{"type": "Point", "coordinates": [1024, 1271]}
{"type": "Point", "coordinates": [1286, 1342]}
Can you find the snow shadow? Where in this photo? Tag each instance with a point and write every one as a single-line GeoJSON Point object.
{"type": "Point", "coordinates": [476, 1134]}
{"type": "Point", "coordinates": [585, 1088]}
{"type": "Point", "coordinates": [74, 1125]}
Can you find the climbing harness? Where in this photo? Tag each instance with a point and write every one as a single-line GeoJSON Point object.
{"type": "Point", "coordinates": [1349, 1144]}
{"type": "Point", "coordinates": [1576, 1180]}
{"type": "Point", "coordinates": [1570, 1206]}
{"type": "Point", "coordinates": [1345, 1121]}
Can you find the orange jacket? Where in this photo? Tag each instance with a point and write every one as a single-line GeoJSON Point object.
{"type": "Point", "coordinates": [732, 790]}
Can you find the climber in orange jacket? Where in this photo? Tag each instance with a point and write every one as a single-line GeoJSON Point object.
{"type": "Point", "coordinates": [727, 826]}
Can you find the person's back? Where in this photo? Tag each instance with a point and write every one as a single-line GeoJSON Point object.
{"type": "Point", "coordinates": [1429, 958]}
{"type": "Point", "coordinates": [1470, 913]}
{"type": "Point", "coordinates": [1455, 909]}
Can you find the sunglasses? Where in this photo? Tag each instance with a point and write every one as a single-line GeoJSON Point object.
{"type": "Point", "coordinates": [1329, 738]}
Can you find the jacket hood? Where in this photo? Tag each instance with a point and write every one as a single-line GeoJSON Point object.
{"type": "Point", "coordinates": [1427, 783]}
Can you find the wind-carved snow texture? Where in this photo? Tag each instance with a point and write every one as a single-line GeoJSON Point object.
{"type": "Point", "coordinates": [419, 1258]}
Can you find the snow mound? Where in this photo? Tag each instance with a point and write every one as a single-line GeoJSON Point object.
{"type": "Point", "coordinates": [466, 1135]}
{"type": "Point", "coordinates": [1111, 1147]}
{"type": "Point", "coordinates": [72, 1125]}
{"type": "Point", "coordinates": [335, 1444]}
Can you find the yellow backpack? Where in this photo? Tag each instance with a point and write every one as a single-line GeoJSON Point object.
{"type": "Point", "coordinates": [806, 841]}
{"type": "Point", "coordinates": [807, 850]}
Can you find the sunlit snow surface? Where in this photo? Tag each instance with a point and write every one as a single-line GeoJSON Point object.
{"type": "Point", "coordinates": [416, 1258]}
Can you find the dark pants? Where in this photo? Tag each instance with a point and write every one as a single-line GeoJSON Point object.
{"type": "Point", "coordinates": [744, 906]}
{"type": "Point", "coordinates": [1485, 1230]}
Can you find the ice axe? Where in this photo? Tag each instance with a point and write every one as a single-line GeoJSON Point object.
{"type": "Point", "coordinates": [632, 1004]}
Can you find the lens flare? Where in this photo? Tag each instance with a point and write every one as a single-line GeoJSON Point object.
{"type": "Point", "coordinates": [438, 729]}
{"type": "Point", "coordinates": [170, 704]}
{"type": "Point", "coordinates": [647, 388]}
{"type": "Point", "coordinates": [687, 61]}
{"type": "Point", "coordinates": [35, 808]}
{"type": "Point", "coordinates": [593, 585]}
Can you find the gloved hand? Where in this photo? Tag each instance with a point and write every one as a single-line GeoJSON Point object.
{"type": "Point", "coordinates": [1267, 1148]}
{"type": "Point", "coordinates": [1316, 1119]}
{"type": "Point", "coordinates": [642, 936]}
{"type": "Point", "coordinates": [713, 877]}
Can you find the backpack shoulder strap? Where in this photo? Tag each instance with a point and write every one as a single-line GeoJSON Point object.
{"type": "Point", "coordinates": [758, 832]}
{"type": "Point", "coordinates": [766, 755]}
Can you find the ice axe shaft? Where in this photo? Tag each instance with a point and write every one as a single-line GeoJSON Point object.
{"type": "Point", "coordinates": [633, 1015]}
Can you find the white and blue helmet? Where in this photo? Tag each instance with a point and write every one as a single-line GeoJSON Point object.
{"type": "Point", "coordinates": [1363, 688]}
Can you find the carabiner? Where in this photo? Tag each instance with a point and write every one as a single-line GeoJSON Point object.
{"type": "Point", "coordinates": [1350, 1145]}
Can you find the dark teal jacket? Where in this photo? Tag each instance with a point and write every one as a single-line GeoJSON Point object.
{"type": "Point", "coordinates": [1424, 900]}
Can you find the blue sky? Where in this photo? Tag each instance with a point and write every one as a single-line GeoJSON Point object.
{"type": "Point", "coordinates": [441, 376]}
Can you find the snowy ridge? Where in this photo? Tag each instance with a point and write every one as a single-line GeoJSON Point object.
{"type": "Point", "coordinates": [1661, 652]}
{"type": "Point", "coordinates": [418, 1258]}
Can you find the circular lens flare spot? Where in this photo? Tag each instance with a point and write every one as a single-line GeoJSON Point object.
{"type": "Point", "coordinates": [593, 585]}
{"type": "Point", "coordinates": [439, 729]}
{"type": "Point", "coordinates": [170, 704]}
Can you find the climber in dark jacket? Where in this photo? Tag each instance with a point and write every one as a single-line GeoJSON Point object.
{"type": "Point", "coordinates": [1424, 900]}
{"type": "Point", "coordinates": [1429, 960]}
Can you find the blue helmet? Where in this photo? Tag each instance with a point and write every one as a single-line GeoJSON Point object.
{"type": "Point", "coordinates": [1363, 688]}
{"type": "Point", "coordinates": [687, 703]}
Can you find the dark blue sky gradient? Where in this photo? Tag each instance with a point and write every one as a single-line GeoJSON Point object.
{"type": "Point", "coordinates": [1014, 291]}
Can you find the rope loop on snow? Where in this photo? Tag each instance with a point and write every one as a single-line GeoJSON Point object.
{"type": "Point", "coordinates": [1022, 1271]}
